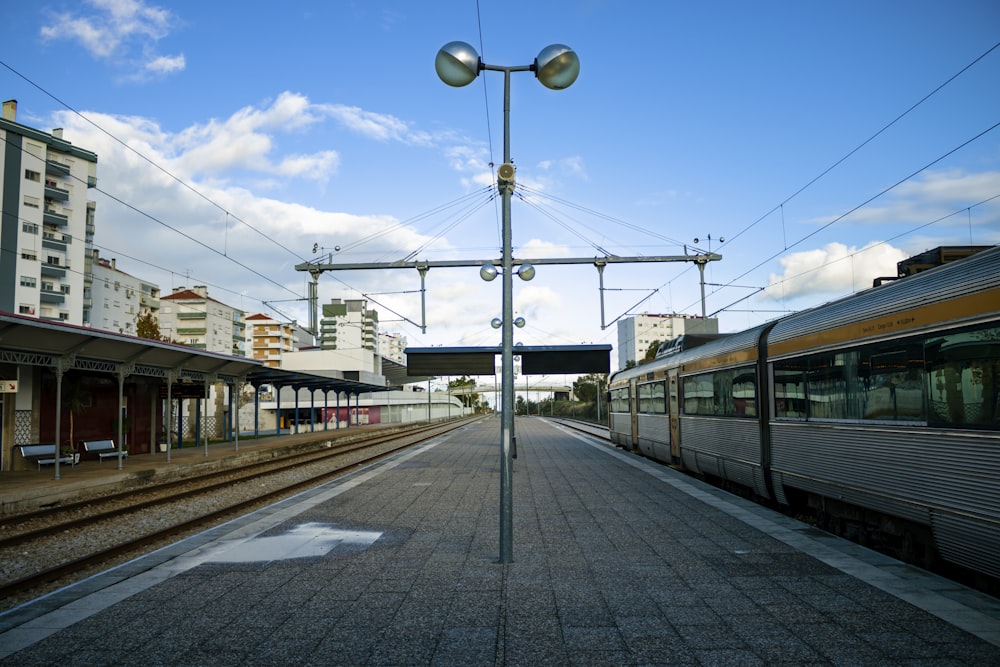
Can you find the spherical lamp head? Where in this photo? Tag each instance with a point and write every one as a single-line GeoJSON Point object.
{"type": "Point", "coordinates": [526, 272]}
{"type": "Point", "coordinates": [496, 323]}
{"type": "Point", "coordinates": [519, 322]}
{"type": "Point", "coordinates": [488, 272]}
{"type": "Point", "coordinates": [457, 64]}
{"type": "Point", "coordinates": [557, 66]}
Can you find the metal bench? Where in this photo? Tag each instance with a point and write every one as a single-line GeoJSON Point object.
{"type": "Point", "coordinates": [103, 448]}
{"type": "Point", "coordinates": [43, 454]}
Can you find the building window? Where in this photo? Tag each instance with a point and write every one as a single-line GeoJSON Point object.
{"type": "Point", "coordinates": [29, 255]}
{"type": "Point", "coordinates": [32, 202]}
{"type": "Point", "coordinates": [53, 260]}
{"type": "Point", "coordinates": [64, 289]}
{"type": "Point", "coordinates": [28, 281]}
{"type": "Point", "coordinates": [32, 175]}
{"type": "Point", "coordinates": [29, 228]}
{"type": "Point", "coordinates": [25, 309]}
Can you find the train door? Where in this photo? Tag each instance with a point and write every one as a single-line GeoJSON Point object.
{"type": "Point", "coordinates": [633, 408]}
{"type": "Point", "coordinates": [673, 406]}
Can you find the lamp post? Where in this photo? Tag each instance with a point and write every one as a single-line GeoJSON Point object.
{"type": "Point", "coordinates": [556, 67]}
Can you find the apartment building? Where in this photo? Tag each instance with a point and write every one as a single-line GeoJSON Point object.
{"type": "Point", "coordinates": [391, 346]}
{"type": "Point", "coordinates": [191, 317]}
{"type": "Point", "coordinates": [47, 222]}
{"type": "Point", "coordinates": [269, 339]}
{"type": "Point", "coordinates": [118, 298]}
{"type": "Point", "coordinates": [348, 325]}
{"type": "Point", "coordinates": [637, 333]}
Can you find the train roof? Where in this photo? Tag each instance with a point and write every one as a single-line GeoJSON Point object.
{"type": "Point", "coordinates": [969, 289]}
{"type": "Point", "coordinates": [896, 306]}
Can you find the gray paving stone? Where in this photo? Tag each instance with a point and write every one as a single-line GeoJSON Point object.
{"type": "Point", "coordinates": [611, 566]}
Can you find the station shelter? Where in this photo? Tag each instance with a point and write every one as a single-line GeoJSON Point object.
{"type": "Point", "coordinates": [68, 384]}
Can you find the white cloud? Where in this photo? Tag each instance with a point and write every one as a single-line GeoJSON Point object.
{"type": "Point", "coordinates": [382, 127]}
{"type": "Point", "coordinates": [833, 269]}
{"type": "Point", "coordinates": [192, 232]}
{"type": "Point", "coordinates": [568, 165]}
{"type": "Point", "coordinates": [166, 64]}
{"type": "Point", "coordinates": [540, 248]}
{"type": "Point", "coordinates": [121, 31]}
{"type": "Point", "coordinates": [930, 196]}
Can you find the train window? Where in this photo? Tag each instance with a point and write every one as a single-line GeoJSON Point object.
{"type": "Point", "coordinates": [963, 379]}
{"type": "Point", "coordinates": [882, 382]}
{"type": "Point", "coordinates": [652, 398]}
{"type": "Point", "coordinates": [790, 390]}
{"type": "Point", "coordinates": [893, 384]}
{"type": "Point", "coordinates": [722, 393]}
{"type": "Point", "coordinates": [832, 390]}
{"type": "Point", "coordinates": [619, 400]}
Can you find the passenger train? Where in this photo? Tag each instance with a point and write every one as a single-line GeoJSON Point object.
{"type": "Point", "coordinates": [878, 415]}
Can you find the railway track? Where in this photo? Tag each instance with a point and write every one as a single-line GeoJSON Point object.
{"type": "Point", "coordinates": [46, 549]}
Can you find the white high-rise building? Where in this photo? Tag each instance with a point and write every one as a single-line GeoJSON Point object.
{"type": "Point", "coordinates": [119, 298]}
{"type": "Point", "coordinates": [391, 346]}
{"type": "Point", "coordinates": [47, 222]}
{"type": "Point", "coordinates": [348, 325]}
{"type": "Point", "coordinates": [637, 333]}
{"type": "Point", "coordinates": [191, 317]}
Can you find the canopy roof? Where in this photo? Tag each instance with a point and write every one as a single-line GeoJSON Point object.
{"type": "Point", "coordinates": [535, 359]}
{"type": "Point", "coordinates": [30, 341]}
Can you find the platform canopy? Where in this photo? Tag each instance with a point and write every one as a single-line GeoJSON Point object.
{"type": "Point", "coordinates": [535, 359]}
{"type": "Point", "coordinates": [33, 342]}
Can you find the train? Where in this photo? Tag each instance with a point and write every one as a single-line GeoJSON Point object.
{"type": "Point", "coordinates": [875, 416]}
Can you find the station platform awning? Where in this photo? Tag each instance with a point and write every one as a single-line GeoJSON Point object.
{"type": "Point", "coordinates": [535, 359]}
{"type": "Point", "coordinates": [33, 342]}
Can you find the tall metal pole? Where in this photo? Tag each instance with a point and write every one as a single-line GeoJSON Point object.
{"type": "Point", "coordinates": [556, 67]}
{"type": "Point", "coordinates": [507, 362]}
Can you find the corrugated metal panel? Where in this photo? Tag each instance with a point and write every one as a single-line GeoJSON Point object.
{"type": "Point", "coordinates": [910, 473]}
{"type": "Point", "coordinates": [654, 435]}
{"type": "Point", "coordinates": [973, 544]}
{"type": "Point", "coordinates": [967, 277]}
{"type": "Point", "coordinates": [737, 439]}
{"type": "Point", "coordinates": [727, 448]}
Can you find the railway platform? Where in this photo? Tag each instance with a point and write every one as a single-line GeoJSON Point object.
{"type": "Point", "coordinates": [617, 561]}
{"type": "Point", "coordinates": [27, 490]}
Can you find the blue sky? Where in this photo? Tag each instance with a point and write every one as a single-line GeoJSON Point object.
{"type": "Point", "coordinates": [256, 130]}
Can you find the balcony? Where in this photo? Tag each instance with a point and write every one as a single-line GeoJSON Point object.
{"type": "Point", "coordinates": [53, 270]}
{"type": "Point", "coordinates": [50, 296]}
{"type": "Point", "coordinates": [191, 331]}
{"type": "Point", "coordinates": [51, 217]}
{"type": "Point", "coordinates": [51, 243]}
{"type": "Point", "coordinates": [54, 192]}
{"type": "Point", "coordinates": [191, 316]}
{"type": "Point", "coordinates": [56, 168]}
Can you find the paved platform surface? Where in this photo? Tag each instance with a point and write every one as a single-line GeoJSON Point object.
{"type": "Point", "coordinates": [617, 561]}
{"type": "Point", "coordinates": [28, 490]}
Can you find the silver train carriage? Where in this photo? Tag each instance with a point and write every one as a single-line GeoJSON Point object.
{"type": "Point", "coordinates": [883, 403]}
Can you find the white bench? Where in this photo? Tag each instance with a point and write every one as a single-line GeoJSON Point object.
{"type": "Point", "coordinates": [103, 448]}
{"type": "Point", "coordinates": [43, 454]}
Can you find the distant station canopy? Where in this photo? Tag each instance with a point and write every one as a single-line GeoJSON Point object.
{"type": "Point", "coordinates": [535, 360]}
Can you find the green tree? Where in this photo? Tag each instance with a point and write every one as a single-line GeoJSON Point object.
{"type": "Point", "coordinates": [651, 350]}
{"type": "Point", "coordinates": [469, 399]}
{"type": "Point", "coordinates": [147, 326]}
{"type": "Point", "coordinates": [587, 386]}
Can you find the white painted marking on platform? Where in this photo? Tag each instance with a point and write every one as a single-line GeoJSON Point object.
{"type": "Point", "coordinates": [303, 541]}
